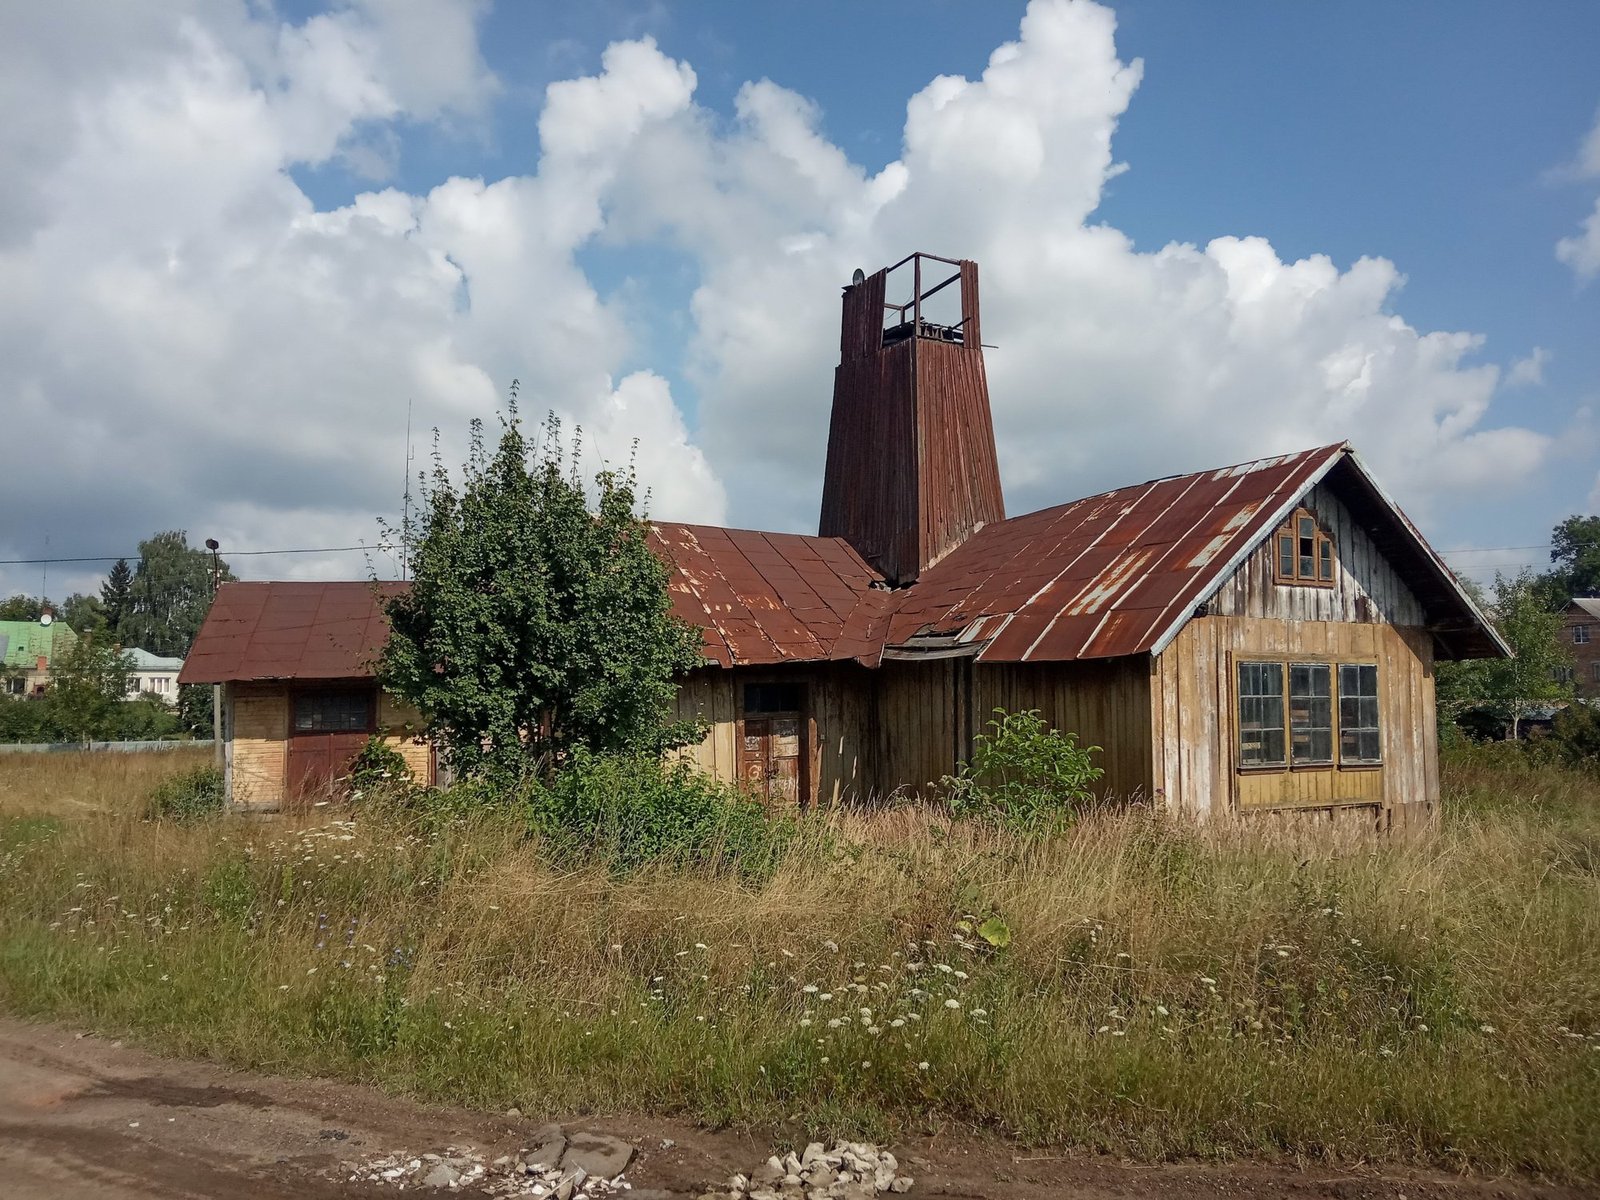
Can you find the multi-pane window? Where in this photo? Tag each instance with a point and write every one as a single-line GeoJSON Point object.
{"type": "Point", "coordinates": [1594, 669]}
{"type": "Point", "coordinates": [1294, 714]}
{"type": "Point", "coordinates": [1580, 635]}
{"type": "Point", "coordinates": [1261, 714]}
{"type": "Point", "coordinates": [1311, 713]}
{"type": "Point", "coordinates": [332, 712]}
{"type": "Point", "coordinates": [1304, 552]}
{"type": "Point", "coordinates": [1358, 713]}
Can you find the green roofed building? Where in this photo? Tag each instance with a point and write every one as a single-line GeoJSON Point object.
{"type": "Point", "coordinates": [27, 651]}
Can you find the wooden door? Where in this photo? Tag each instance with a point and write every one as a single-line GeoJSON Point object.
{"type": "Point", "coordinates": [772, 749]}
{"type": "Point", "coordinates": [327, 729]}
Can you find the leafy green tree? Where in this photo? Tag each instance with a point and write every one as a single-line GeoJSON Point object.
{"type": "Point", "coordinates": [20, 608]}
{"type": "Point", "coordinates": [194, 709]}
{"type": "Point", "coordinates": [535, 627]}
{"type": "Point", "coordinates": [23, 720]}
{"type": "Point", "coordinates": [88, 686]}
{"type": "Point", "coordinates": [1499, 689]}
{"type": "Point", "coordinates": [168, 595]}
{"type": "Point", "coordinates": [144, 718]}
{"type": "Point", "coordinates": [84, 614]}
{"type": "Point", "coordinates": [116, 596]}
{"type": "Point", "coordinates": [1575, 549]}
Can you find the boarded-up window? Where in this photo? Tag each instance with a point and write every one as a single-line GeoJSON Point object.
{"type": "Point", "coordinates": [772, 697]}
{"type": "Point", "coordinates": [1358, 713]}
{"type": "Point", "coordinates": [1261, 714]}
{"type": "Point", "coordinates": [1311, 714]}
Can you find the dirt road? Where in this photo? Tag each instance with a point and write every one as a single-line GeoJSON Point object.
{"type": "Point", "coordinates": [83, 1116]}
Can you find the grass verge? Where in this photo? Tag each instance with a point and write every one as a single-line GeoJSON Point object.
{"type": "Point", "coordinates": [1165, 992]}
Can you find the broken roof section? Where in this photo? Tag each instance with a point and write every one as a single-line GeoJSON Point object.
{"type": "Point", "coordinates": [1121, 573]}
{"type": "Point", "coordinates": [766, 598]}
{"type": "Point", "coordinates": [259, 631]}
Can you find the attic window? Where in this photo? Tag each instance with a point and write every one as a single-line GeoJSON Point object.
{"type": "Point", "coordinates": [1304, 552]}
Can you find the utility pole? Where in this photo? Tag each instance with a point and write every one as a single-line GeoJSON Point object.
{"type": "Point", "coordinates": [216, 688]}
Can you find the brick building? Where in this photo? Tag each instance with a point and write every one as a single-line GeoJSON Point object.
{"type": "Point", "coordinates": [1581, 632]}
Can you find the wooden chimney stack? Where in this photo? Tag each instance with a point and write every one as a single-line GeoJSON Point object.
{"type": "Point", "coordinates": [912, 471]}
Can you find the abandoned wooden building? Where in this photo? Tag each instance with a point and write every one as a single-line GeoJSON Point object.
{"type": "Point", "coordinates": [1258, 638]}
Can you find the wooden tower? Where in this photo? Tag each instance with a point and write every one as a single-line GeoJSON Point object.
{"type": "Point", "coordinates": [912, 471]}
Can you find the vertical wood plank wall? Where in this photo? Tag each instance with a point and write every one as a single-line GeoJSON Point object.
{"type": "Point", "coordinates": [1193, 701]}
{"type": "Point", "coordinates": [1106, 702]}
{"type": "Point", "coordinates": [1368, 615]}
{"type": "Point", "coordinates": [916, 730]}
{"type": "Point", "coordinates": [1367, 588]}
{"type": "Point", "coordinates": [838, 696]}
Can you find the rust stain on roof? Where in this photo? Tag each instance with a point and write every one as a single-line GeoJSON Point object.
{"type": "Point", "coordinates": [763, 598]}
{"type": "Point", "coordinates": [1106, 575]}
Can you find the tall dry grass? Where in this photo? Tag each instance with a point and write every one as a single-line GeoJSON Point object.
{"type": "Point", "coordinates": [1167, 991]}
{"type": "Point", "coordinates": [71, 783]}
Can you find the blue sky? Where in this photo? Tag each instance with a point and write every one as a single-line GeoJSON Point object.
{"type": "Point", "coordinates": [1446, 139]}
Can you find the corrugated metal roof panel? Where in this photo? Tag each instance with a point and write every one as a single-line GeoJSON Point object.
{"type": "Point", "coordinates": [1107, 575]}
{"type": "Point", "coordinates": [771, 597]}
{"type": "Point", "coordinates": [290, 631]}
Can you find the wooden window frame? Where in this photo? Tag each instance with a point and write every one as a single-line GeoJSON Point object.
{"type": "Point", "coordinates": [1286, 663]}
{"type": "Point", "coordinates": [1322, 549]}
{"type": "Point", "coordinates": [1580, 629]}
{"type": "Point", "coordinates": [299, 693]}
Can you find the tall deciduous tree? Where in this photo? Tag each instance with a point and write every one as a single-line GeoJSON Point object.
{"type": "Point", "coordinates": [168, 594]}
{"type": "Point", "coordinates": [1537, 673]}
{"type": "Point", "coordinates": [20, 608]}
{"type": "Point", "coordinates": [535, 626]}
{"type": "Point", "coordinates": [116, 596]}
{"type": "Point", "coordinates": [1575, 549]}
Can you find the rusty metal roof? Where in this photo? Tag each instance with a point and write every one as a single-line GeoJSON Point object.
{"type": "Point", "coordinates": [290, 631]}
{"type": "Point", "coordinates": [1109, 575]}
{"type": "Point", "coordinates": [764, 598]}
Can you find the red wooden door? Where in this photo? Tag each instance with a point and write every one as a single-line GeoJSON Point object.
{"type": "Point", "coordinates": [327, 729]}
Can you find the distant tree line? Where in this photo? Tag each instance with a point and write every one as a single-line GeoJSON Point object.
{"type": "Point", "coordinates": [156, 604]}
{"type": "Point", "coordinates": [1493, 697]}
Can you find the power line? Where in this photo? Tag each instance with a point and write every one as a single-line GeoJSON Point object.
{"type": "Point", "coordinates": [22, 562]}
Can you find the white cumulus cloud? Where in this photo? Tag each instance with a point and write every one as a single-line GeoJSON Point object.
{"type": "Point", "coordinates": [186, 339]}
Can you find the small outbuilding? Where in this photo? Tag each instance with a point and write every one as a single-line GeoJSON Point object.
{"type": "Point", "coordinates": [294, 662]}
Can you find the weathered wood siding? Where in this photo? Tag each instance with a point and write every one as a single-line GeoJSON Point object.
{"type": "Point", "coordinates": [1193, 711]}
{"type": "Point", "coordinates": [838, 697]}
{"type": "Point", "coordinates": [917, 732]}
{"type": "Point", "coordinates": [1106, 702]}
{"type": "Point", "coordinates": [1369, 615]}
{"type": "Point", "coordinates": [258, 738]}
{"type": "Point", "coordinates": [1366, 589]}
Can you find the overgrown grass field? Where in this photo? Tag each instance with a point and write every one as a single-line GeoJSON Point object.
{"type": "Point", "coordinates": [1164, 991]}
